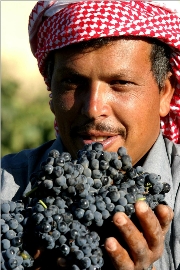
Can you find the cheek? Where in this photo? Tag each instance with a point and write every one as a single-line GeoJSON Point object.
{"type": "Point", "coordinates": [127, 106]}
{"type": "Point", "coordinates": [63, 102]}
{"type": "Point", "coordinates": [137, 109]}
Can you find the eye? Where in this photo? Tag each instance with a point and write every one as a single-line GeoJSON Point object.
{"type": "Point", "coordinates": [69, 81]}
{"type": "Point", "coordinates": [120, 82]}
{"type": "Point", "coordinates": [73, 81]}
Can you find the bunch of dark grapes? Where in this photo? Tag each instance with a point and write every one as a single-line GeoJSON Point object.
{"type": "Point", "coordinates": [70, 200]}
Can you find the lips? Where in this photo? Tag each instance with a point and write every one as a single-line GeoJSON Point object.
{"type": "Point", "coordinates": [110, 137]}
{"type": "Point", "coordinates": [95, 138]}
{"type": "Point", "coordinates": [101, 132]}
{"type": "Point", "coordinates": [107, 140]}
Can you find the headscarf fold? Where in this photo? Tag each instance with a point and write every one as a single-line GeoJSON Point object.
{"type": "Point", "coordinates": [56, 24]}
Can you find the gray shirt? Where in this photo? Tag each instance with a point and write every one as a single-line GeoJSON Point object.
{"type": "Point", "coordinates": [162, 159]}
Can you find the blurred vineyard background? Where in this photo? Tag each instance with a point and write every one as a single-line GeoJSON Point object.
{"type": "Point", "coordinates": [26, 120]}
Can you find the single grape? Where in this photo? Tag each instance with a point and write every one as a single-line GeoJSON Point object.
{"type": "Point", "coordinates": [130, 198]}
{"type": "Point", "coordinates": [129, 209]}
{"type": "Point", "coordinates": [62, 239]}
{"type": "Point", "coordinates": [157, 188]}
{"type": "Point", "coordinates": [58, 171]}
{"type": "Point", "coordinates": [122, 151]}
{"type": "Point", "coordinates": [12, 263]}
{"type": "Point", "coordinates": [114, 196]}
{"type": "Point", "coordinates": [122, 201]}
{"type": "Point", "coordinates": [96, 174]}
{"type": "Point", "coordinates": [62, 227]}
{"type": "Point", "coordinates": [100, 205]}
{"type": "Point", "coordinates": [97, 216]}
{"type": "Point", "coordinates": [79, 254]}
{"type": "Point", "coordinates": [4, 228]}
{"type": "Point", "coordinates": [19, 228]}
{"type": "Point", "coordinates": [10, 234]}
{"type": "Point", "coordinates": [97, 184]}
{"type": "Point", "coordinates": [27, 263]}
{"type": "Point", "coordinates": [83, 203]}
{"type": "Point", "coordinates": [81, 240]}
{"type": "Point", "coordinates": [48, 169]}
{"type": "Point", "coordinates": [105, 214]}
{"type": "Point", "coordinates": [12, 252]}
{"type": "Point", "coordinates": [119, 208]}
{"type": "Point", "coordinates": [67, 217]}
{"type": "Point", "coordinates": [88, 215]}
{"type": "Point", "coordinates": [87, 172]}
{"type": "Point", "coordinates": [54, 153]}
{"type": "Point", "coordinates": [16, 241]}
{"type": "Point", "coordinates": [85, 262]}
{"type": "Point", "coordinates": [5, 208]}
{"type": "Point", "coordinates": [110, 207]}
{"type": "Point", "coordinates": [87, 250]}
{"type": "Point", "coordinates": [47, 184]}
{"type": "Point", "coordinates": [116, 163]}
{"type": "Point", "coordinates": [19, 217]}
{"type": "Point", "coordinates": [152, 178]}
{"type": "Point", "coordinates": [166, 188]}
{"type": "Point", "coordinates": [66, 156]}
{"type": "Point", "coordinates": [59, 161]}
{"type": "Point", "coordinates": [5, 244]}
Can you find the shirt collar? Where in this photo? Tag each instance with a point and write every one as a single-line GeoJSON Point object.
{"type": "Point", "coordinates": [158, 162]}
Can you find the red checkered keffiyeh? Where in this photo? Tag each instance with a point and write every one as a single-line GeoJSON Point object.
{"type": "Point", "coordinates": [55, 24]}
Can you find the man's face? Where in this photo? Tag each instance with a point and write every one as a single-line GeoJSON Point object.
{"type": "Point", "coordinates": [108, 95]}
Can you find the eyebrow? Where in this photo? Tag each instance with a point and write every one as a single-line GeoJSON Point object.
{"type": "Point", "coordinates": [70, 71]}
{"type": "Point", "coordinates": [73, 72]}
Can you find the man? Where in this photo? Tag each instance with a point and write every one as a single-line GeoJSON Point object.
{"type": "Point", "coordinates": [113, 71]}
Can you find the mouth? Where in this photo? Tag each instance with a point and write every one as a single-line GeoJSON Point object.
{"type": "Point", "coordinates": [107, 140]}
{"type": "Point", "coordinates": [95, 138]}
{"type": "Point", "coordinates": [107, 135]}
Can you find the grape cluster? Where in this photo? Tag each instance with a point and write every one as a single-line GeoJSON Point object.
{"type": "Point", "coordinates": [12, 227]}
{"type": "Point", "coordinates": [69, 201]}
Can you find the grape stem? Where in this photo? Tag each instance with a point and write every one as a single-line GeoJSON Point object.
{"type": "Point", "coordinates": [31, 191]}
{"type": "Point", "coordinates": [43, 204]}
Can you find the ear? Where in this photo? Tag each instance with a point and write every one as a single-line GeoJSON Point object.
{"type": "Point", "coordinates": [166, 95]}
{"type": "Point", "coordinates": [51, 103]}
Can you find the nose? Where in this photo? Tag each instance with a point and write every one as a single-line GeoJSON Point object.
{"type": "Point", "coordinates": [95, 101]}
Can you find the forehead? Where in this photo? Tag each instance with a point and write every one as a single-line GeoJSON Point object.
{"type": "Point", "coordinates": [124, 51]}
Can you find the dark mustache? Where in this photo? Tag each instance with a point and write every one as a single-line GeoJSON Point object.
{"type": "Point", "coordinates": [85, 128]}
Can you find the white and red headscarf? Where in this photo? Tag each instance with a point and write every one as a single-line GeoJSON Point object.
{"type": "Point", "coordinates": [56, 24]}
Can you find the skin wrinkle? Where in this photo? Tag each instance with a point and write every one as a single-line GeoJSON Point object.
{"type": "Point", "coordinates": [155, 235]}
{"type": "Point", "coordinates": [141, 251]}
{"type": "Point", "coordinates": [165, 214]}
{"type": "Point", "coordinates": [119, 255]}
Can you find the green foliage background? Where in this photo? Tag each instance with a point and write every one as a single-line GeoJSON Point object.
{"type": "Point", "coordinates": [23, 125]}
